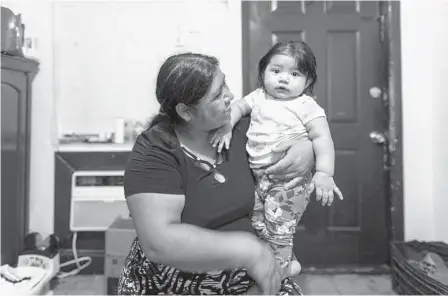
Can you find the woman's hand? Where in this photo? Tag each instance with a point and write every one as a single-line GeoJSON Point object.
{"type": "Point", "coordinates": [265, 271]}
{"type": "Point", "coordinates": [297, 162]}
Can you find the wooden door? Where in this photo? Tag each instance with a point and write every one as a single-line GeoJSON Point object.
{"type": "Point", "coordinates": [345, 37]}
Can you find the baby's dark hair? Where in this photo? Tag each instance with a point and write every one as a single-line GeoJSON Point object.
{"type": "Point", "coordinates": [303, 55]}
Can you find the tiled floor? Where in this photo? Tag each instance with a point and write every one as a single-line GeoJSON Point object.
{"type": "Point", "coordinates": [345, 284]}
{"type": "Point", "coordinates": [341, 284]}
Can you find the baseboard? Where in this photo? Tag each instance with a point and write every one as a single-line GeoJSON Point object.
{"type": "Point", "coordinates": [347, 269]}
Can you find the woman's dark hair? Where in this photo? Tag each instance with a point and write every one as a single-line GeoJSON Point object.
{"type": "Point", "coordinates": [298, 50]}
{"type": "Point", "coordinates": [183, 78]}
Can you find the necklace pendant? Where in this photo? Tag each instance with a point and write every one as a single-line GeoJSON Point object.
{"type": "Point", "coordinates": [219, 177]}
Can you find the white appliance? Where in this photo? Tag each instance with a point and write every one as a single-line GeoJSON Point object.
{"type": "Point", "coordinates": [97, 199]}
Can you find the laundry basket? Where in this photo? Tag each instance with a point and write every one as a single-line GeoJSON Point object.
{"type": "Point", "coordinates": [407, 279]}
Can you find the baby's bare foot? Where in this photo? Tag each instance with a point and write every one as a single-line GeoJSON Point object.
{"type": "Point", "coordinates": [294, 268]}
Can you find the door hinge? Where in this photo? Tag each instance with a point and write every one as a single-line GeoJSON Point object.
{"type": "Point", "coordinates": [381, 20]}
{"type": "Point", "coordinates": [383, 140]}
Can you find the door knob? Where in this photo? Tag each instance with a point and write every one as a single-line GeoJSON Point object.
{"type": "Point", "coordinates": [375, 92]}
{"type": "Point", "coordinates": [377, 137]}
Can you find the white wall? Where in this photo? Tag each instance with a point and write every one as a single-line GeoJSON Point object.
{"type": "Point", "coordinates": [440, 133]}
{"type": "Point", "coordinates": [106, 67]}
{"type": "Point", "coordinates": [424, 39]}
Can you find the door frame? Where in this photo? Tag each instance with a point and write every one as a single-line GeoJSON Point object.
{"type": "Point", "coordinates": [394, 190]}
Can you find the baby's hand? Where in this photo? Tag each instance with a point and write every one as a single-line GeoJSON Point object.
{"type": "Point", "coordinates": [221, 137]}
{"type": "Point", "coordinates": [324, 185]}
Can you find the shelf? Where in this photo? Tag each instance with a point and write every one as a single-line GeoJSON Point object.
{"type": "Point", "coordinates": [96, 147]}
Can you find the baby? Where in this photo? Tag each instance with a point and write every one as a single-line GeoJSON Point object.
{"type": "Point", "coordinates": [282, 109]}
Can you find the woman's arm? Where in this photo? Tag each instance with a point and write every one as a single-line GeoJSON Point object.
{"type": "Point", "coordinates": [187, 247]}
{"type": "Point", "coordinates": [166, 240]}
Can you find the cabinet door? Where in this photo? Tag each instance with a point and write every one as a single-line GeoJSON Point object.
{"type": "Point", "coordinates": [13, 164]}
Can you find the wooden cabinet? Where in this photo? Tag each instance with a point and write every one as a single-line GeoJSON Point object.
{"type": "Point", "coordinates": [17, 74]}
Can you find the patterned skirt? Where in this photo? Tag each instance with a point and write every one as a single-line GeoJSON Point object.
{"type": "Point", "coordinates": [143, 277]}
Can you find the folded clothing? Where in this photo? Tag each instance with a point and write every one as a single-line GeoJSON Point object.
{"type": "Point", "coordinates": [432, 265]}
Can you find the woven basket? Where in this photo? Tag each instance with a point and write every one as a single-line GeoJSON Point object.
{"type": "Point", "coordinates": [410, 280]}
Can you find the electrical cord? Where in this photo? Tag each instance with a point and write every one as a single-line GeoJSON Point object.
{"type": "Point", "coordinates": [77, 260]}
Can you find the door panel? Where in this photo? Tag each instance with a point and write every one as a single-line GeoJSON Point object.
{"type": "Point", "coordinates": [13, 170]}
{"type": "Point", "coordinates": [344, 36]}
